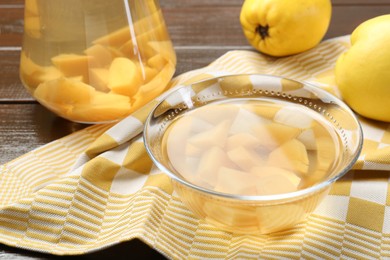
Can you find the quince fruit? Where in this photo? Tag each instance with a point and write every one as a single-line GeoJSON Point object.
{"type": "Point", "coordinates": [362, 73]}
{"type": "Point", "coordinates": [285, 27]}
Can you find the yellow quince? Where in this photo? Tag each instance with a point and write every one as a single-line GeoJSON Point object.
{"type": "Point", "coordinates": [362, 73]}
{"type": "Point", "coordinates": [285, 27]}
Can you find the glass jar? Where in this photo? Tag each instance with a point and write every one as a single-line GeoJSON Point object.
{"type": "Point", "coordinates": [95, 61]}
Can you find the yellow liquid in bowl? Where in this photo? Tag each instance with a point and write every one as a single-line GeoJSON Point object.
{"type": "Point", "coordinates": [252, 147]}
{"type": "Point", "coordinates": [249, 147]}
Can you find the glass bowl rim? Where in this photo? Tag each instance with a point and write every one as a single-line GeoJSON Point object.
{"type": "Point", "coordinates": [257, 198]}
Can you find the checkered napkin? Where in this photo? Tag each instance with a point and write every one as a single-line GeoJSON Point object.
{"type": "Point", "coordinates": [98, 187]}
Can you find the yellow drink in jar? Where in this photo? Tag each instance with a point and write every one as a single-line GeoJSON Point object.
{"type": "Point", "coordinates": [95, 61]}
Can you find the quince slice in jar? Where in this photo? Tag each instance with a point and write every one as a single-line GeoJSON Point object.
{"type": "Point", "coordinates": [123, 35]}
{"type": "Point", "coordinates": [139, 45]}
{"type": "Point", "coordinates": [102, 55]}
{"type": "Point", "coordinates": [31, 8]}
{"type": "Point", "coordinates": [33, 74]}
{"type": "Point", "coordinates": [72, 65]}
{"type": "Point", "coordinates": [32, 20]}
{"type": "Point", "coordinates": [154, 87]}
{"type": "Point", "coordinates": [61, 94]}
{"type": "Point", "coordinates": [157, 61]}
{"type": "Point", "coordinates": [98, 78]}
{"type": "Point", "coordinates": [28, 66]}
{"type": "Point", "coordinates": [124, 77]}
{"type": "Point", "coordinates": [116, 38]}
{"type": "Point", "coordinates": [103, 107]}
{"type": "Point", "coordinates": [165, 48]}
{"type": "Point", "coordinates": [32, 26]}
{"type": "Point", "coordinates": [44, 74]}
{"type": "Point", "coordinates": [150, 73]}
{"type": "Point", "coordinates": [65, 91]}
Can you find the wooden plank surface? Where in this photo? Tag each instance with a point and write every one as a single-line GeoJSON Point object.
{"type": "Point", "coordinates": [201, 25]}
{"type": "Point", "coordinates": [201, 31]}
{"type": "Point", "coordinates": [28, 125]}
{"type": "Point", "coordinates": [225, 2]}
{"type": "Point", "coordinates": [11, 88]}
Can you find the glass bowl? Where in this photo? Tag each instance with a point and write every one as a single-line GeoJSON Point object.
{"type": "Point", "coordinates": [95, 61]}
{"type": "Point", "coordinates": [269, 207]}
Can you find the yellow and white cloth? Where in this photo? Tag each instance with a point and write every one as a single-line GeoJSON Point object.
{"type": "Point", "coordinates": [98, 187]}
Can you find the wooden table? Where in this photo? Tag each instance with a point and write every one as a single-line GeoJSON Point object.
{"type": "Point", "coordinates": [201, 31]}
